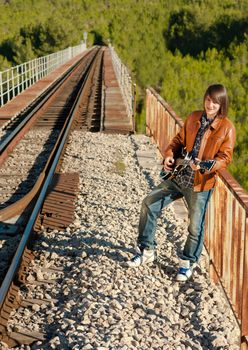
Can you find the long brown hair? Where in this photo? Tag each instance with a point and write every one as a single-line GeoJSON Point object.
{"type": "Point", "coordinates": [218, 94]}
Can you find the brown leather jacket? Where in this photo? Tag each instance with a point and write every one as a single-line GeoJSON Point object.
{"type": "Point", "coordinates": [217, 143]}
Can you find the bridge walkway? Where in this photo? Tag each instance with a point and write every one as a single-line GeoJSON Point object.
{"type": "Point", "coordinates": [122, 308]}
{"type": "Point", "coordinates": [145, 308]}
{"type": "Point", "coordinates": [101, 304]}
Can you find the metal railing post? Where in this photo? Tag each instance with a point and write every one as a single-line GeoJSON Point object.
{"type": "Point", "coordinates": [1, 88]}
{"type": "Point", "coordinates": [22, 79]}
{"type": "Point", "coordinates": [8, 94]}
{"type": "Point", "coordinates": [12, 89]}
{"type": "Point", "coordinates": [18, 81]}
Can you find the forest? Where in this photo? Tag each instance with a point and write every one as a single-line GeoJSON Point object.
{"type": "Point", "coordinates": [178, 47]}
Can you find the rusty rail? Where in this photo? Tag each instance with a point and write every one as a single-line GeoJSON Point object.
{"type": "Point", "coordinates": [226, 237]}
{"type": "Point", "coordinates": [52, 208]}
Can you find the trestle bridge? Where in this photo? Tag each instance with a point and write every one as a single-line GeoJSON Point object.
{"type": "Point", "coordinates": [90, 90]}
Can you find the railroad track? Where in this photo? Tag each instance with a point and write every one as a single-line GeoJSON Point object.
{"type": "Point", "coordinates": [33, 193]}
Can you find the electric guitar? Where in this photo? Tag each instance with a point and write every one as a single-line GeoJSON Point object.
{"type": "Point", "coordinates": [182, 163]}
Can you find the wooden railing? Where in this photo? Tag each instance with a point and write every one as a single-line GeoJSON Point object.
{"type": "Point", "coordinates": [226, 237]}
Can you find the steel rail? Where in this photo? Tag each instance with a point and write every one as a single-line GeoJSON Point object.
{"type": "Point", "coordinates": [58, 151]}
{"type": "Point", "coordinates": [43, 98]}
{"type": "Point", "coordinates": [21, 204]}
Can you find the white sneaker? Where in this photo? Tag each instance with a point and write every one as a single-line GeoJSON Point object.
{"type": "Point", "coordinates": [145, 257]}
{"type": "Point", "coordinates": [185, 271]}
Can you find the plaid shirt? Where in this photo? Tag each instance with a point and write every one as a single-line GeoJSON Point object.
{"type": "Point", "coordinates": [186, 177]}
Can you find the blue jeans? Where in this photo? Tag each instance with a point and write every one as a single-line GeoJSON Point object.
{"type": "Point", "coordinates": [160, 197]}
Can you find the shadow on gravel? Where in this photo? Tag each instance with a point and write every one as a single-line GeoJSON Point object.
{"type": "Point", "coordinates": [91, 245]}
{"type": "Point", "coordinates": [8, 248]}
{"type": "Point", "coordinates": [192, 309]}
{"type": "Point", "coordinates": [174, 239]}
{"type": "Point", "coordinates": [147, 175]}
{"type": "Point", "coordinates": [189, 298]}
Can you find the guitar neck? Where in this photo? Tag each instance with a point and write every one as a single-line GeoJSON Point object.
{"type": "Point", "coordinates": [207, 164]}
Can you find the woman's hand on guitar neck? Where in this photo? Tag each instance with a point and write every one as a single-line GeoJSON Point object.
{"type": "Point", "coordinates": [194, 164]}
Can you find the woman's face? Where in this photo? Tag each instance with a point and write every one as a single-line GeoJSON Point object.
{"type": "Point", "coordinates": [211, 107]}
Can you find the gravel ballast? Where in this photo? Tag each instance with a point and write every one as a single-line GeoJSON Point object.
{"type": "Point", "coordinates": [93, 301]}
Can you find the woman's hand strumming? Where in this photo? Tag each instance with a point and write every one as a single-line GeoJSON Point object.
{"type": "Point", "coordinates": [168, 163]}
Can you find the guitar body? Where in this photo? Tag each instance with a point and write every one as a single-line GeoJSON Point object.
{"type": "Point", "coordinates": [165, 175]}
{"type": "Point", "coordinates": [182, 163]}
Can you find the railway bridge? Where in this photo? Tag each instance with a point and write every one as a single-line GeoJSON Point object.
{"type": "Point", "coordinates": [73, 174]}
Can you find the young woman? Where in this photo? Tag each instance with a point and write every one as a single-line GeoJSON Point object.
{"type": "Point", "coordinates": [206, 135]}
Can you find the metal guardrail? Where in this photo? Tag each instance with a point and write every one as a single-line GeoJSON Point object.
{"type": "Point", "coordinates": [226, 237]}
{"type": "Point", "coordinates": [125, 83]}
{"type": "Point", "coordinates": [18, 78]}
